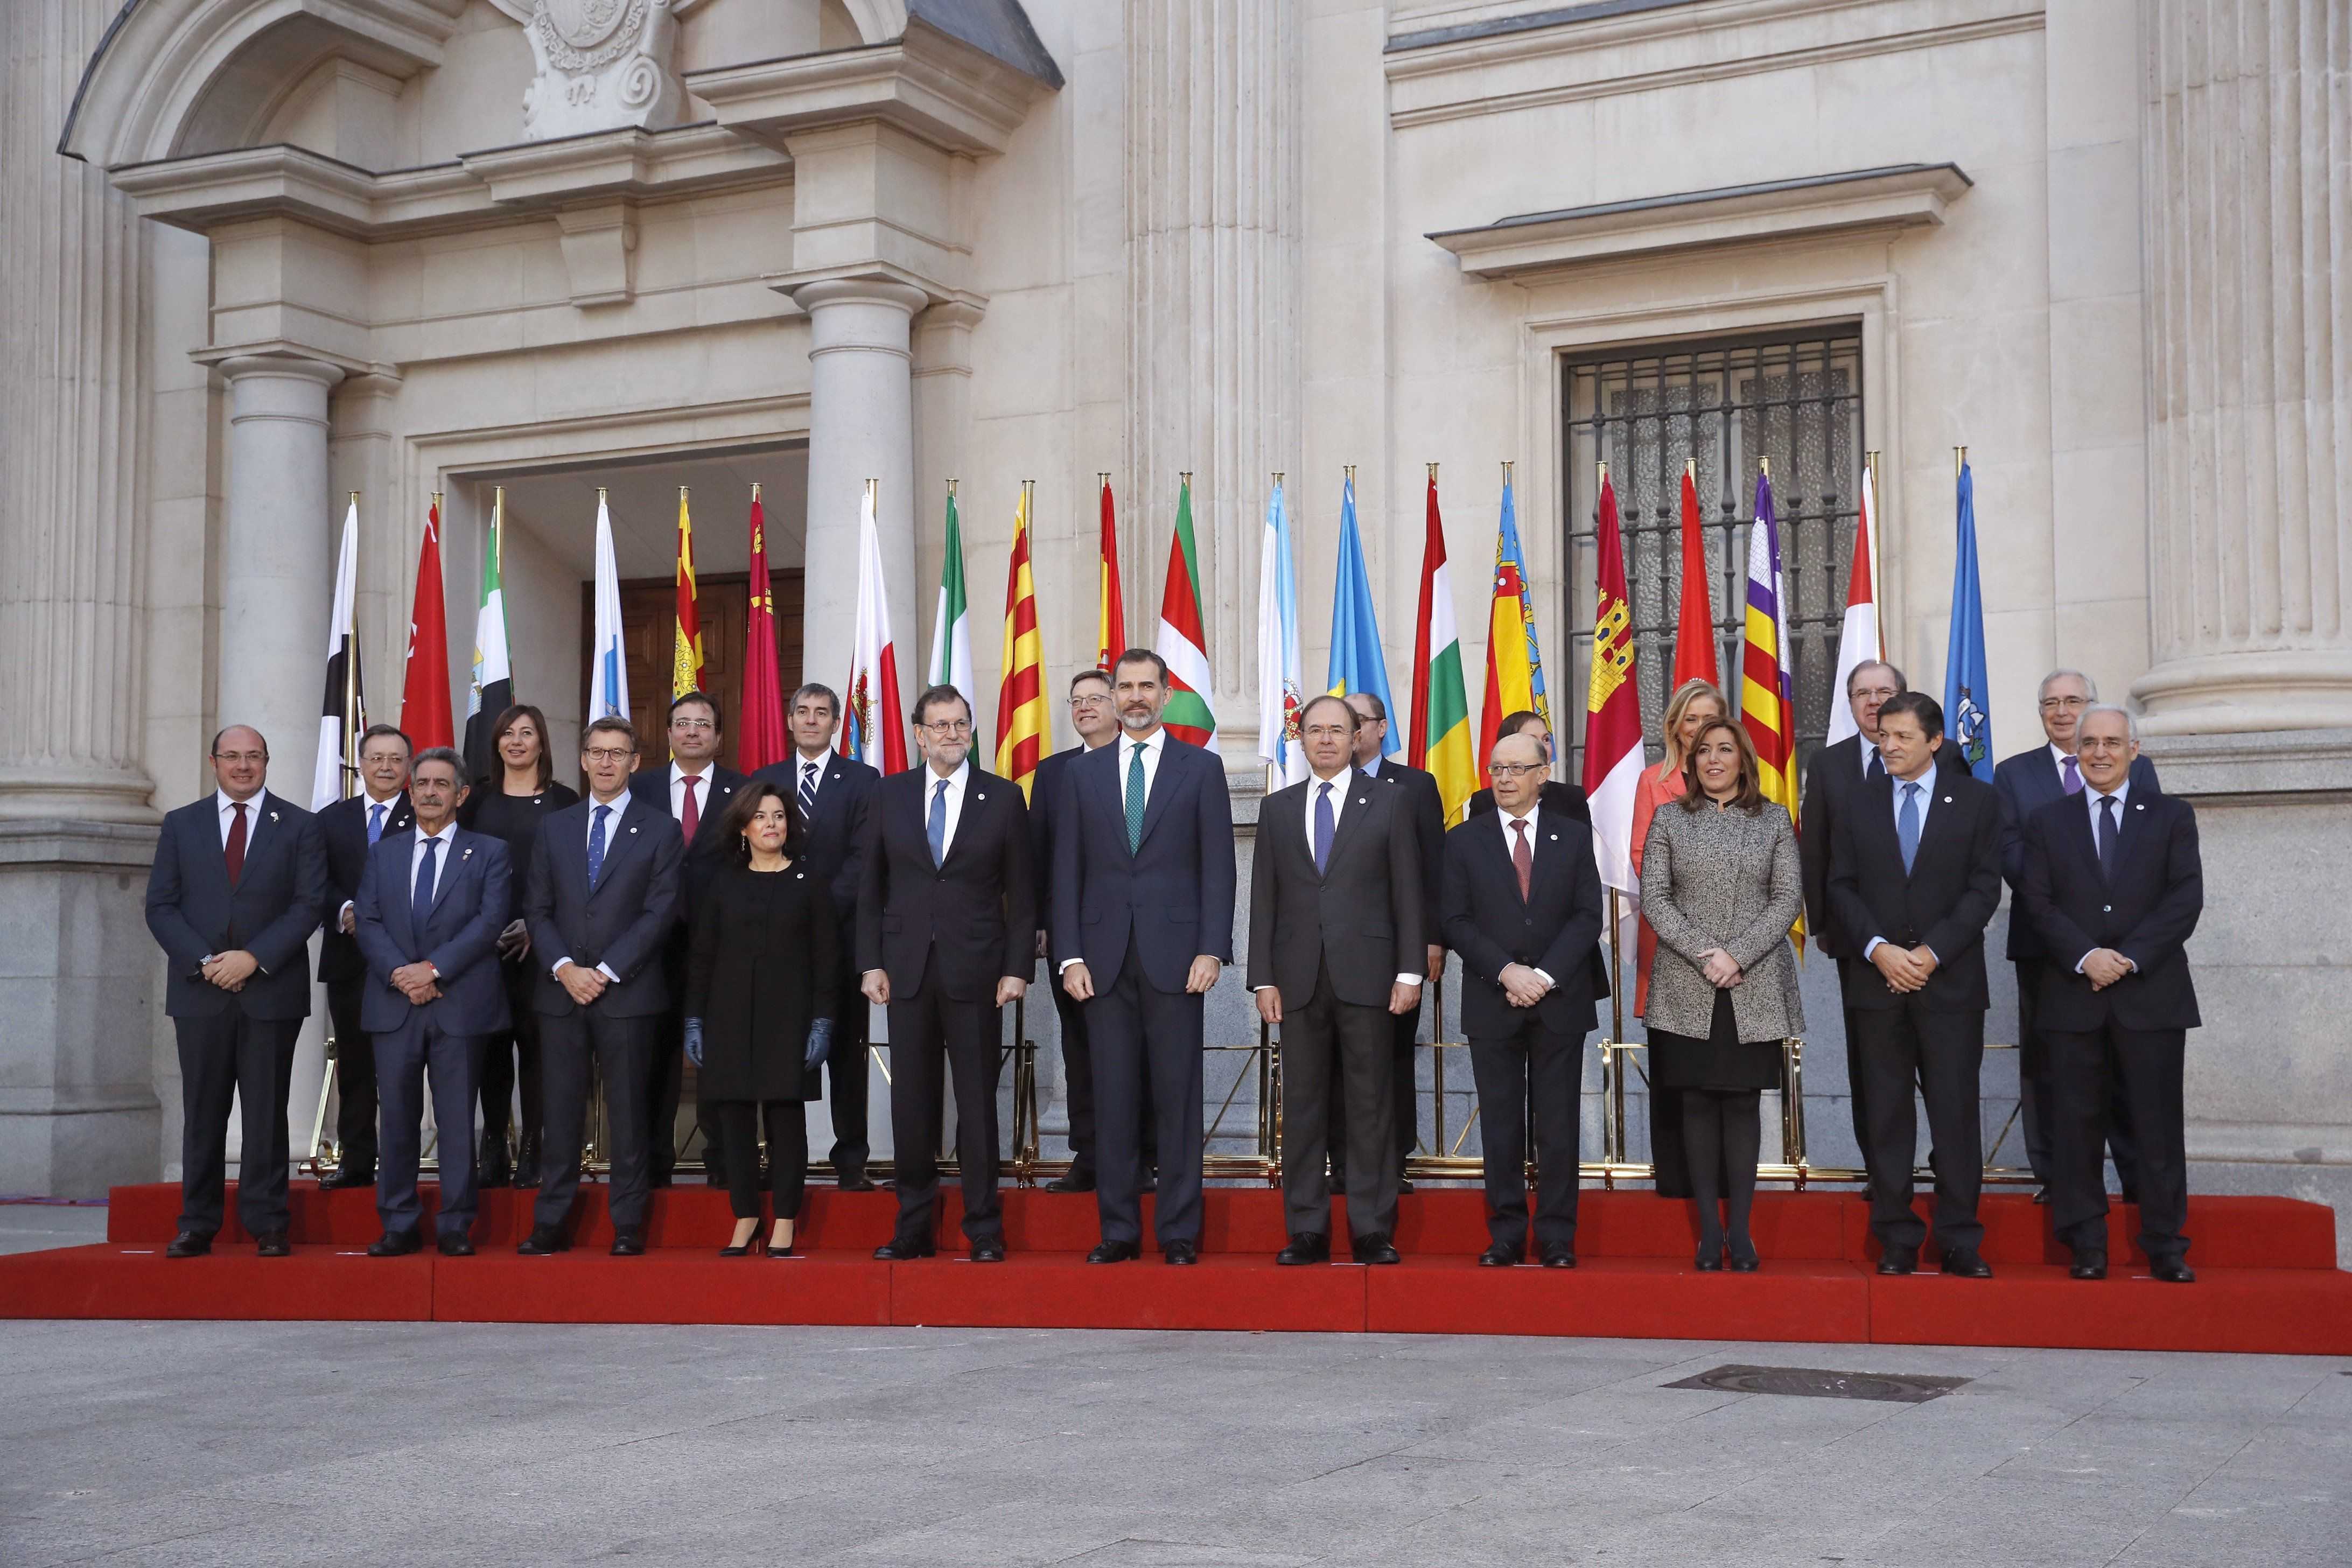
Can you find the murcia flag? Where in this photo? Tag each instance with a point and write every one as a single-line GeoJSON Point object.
{"type": "Point", "coordinates": [343, 712]}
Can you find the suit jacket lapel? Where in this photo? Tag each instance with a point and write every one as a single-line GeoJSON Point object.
{"type": "Point", "coordinates": [1164, 780]}
{"type": "Point", "coordinates": [2077, 818]}
{"type": "Point", "coordinates": [620, 833]}
{"type": "Point", "coordinates": [455, 858]}
{"type": "Point", "coordinates": [2133, 816]}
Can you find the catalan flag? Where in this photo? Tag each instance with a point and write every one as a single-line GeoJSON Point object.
{"type": "Point", "coordinates": [1024, 722]}
{"type": "Point", "coordinates": [686, 672]}
{"type": "Point", "coordinates": [1110, 611]}
{"type": "Point", "coordinates": [1514, 664]}
{"type": "Point", "coordinates": [1441, 704]}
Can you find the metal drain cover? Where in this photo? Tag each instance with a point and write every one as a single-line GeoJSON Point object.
{"type": "Point", "coordinates": [1813, 1382]}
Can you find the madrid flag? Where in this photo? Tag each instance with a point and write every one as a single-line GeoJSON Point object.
{"type": "Point", "coordinates": [424, 690]}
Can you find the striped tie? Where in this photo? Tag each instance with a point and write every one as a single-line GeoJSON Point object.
{"type": "Point", "coordinates": [808, 788]}
{"type": "Point", "coordinates": [1135, 799]}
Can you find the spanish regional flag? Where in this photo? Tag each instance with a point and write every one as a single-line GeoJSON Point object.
{"type": "Point", "coordinates": [1110, 608]}
{"type": "Point", "coordinates": [1612, 707]}
{"type": "Point", "coordinates": [1514, 664]}
{"type": "Point", "coordinates": [1023, 726]}
{"type": "Point", "coordinates": [1440, 735]}
{"type": "Point", "coordinates": [686, 647]}
{"type": "Point", "coordinates": [1765, 709]}
{"type": "Point", "coordinates": [760, 736]}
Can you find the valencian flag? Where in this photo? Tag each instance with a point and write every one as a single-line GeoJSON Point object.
{"type": "Point", "coordinates": [1441, 704]}
{"type": "Point", "coordinates": [343, 714]}
{"type": "Point", "coordinates": [1968, 713]}
{"type": "Point", "coordinates": [1766, 709]}
{"type": "Point", "coordinates": [491, 691]}
{"type": "Point", "coordinates": [425, 688]}
{"type": "Point", "coordinates": [872, 731]}
{"type": "Point", "coordinates": [1355, 663]}
{"type": "Point", "coordinates": [1111, 612]}
{"type": "Point", "coordinates": [1514, 664]}
{"type": "Point", "coordinates": [1612, 707]}
{"type": "Point", "coordinates": [1280, 670]}
{"type": "Point", "coordinates": [1858, 642]}
{"type": "Point", "coordinates": [608, 660]}
{"type": "Point", "coordinates": [760, 736]}
{"type": "Point", "coordinates": [1182, 641]}
{"type": "Point", "coordinates": [952, 624]}
{"type": "Point", "coordinates": [685, 671]}
{"type": "Point", "coordinates": [1024, 722]}
{"type": "Point", "coordinates": [1695, 653]}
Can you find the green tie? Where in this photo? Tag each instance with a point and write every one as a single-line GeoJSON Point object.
{"type": "Point", "coordinates": [1135, 799]}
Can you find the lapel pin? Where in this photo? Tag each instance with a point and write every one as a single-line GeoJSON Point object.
{"type": "Point", "coordinates": [977, 795]}
{"type": "Point", "coordinates": [632, 830]}
{"type": "Point", "coordinates": [273, 817]}
{"type": "Point", "coordinates": [2139, 808]}
{"type": "Point", "coordinates": [1948, 800]}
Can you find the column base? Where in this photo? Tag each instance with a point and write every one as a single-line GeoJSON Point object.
{"type": "Point", "coordinates": [2234, 693]}
{"type": "Point", "coordinates": [76, 795]}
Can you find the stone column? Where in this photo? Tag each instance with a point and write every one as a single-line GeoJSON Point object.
{"type": "Point", "coordinates": [2249, 259]}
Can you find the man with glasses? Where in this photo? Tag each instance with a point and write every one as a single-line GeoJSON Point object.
{"type": "Point", "coordinates": [240, 884]}
{"type": "Point", "coordinates": [352, 829]}
{"type": "Point", "coordinates": [2028, 781]}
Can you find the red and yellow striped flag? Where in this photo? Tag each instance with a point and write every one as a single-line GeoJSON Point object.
{"type": "Point", "coordinates": [686, 645]}
{"type": "Point", "coordinates": [1110, 609]}
{"type": "Point", "coordinates": [1023, 729]}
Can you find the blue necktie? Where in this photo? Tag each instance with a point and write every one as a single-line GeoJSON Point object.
{"type": "Point", "coordinates": [808, 789]}
{"type": "Point", "coordinates": [596, 846]}
{"type": "Point", "coordinates": [420, 903]}
{"type": "Point", "coordinates": [2070, 776]}
{"type": "Point", "coordinates": [1906, 825]}
{"type": "Point", "coordinates": [1877, 769]}
{"type": "Point", "coordinates": [2107, 829]}
{"type": "Point", "coordinates": [1322, 825]}
{"type": "Point", "coordinates": [1135, 799]}
{"type": "Point", "coordinates": [375, 822]}
{"type": "Point", "coordinates": [937, 829]}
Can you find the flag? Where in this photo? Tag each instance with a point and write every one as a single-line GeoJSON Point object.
{"type": "Point", "coordinates": [1967, 716]}
{"type": "Point", "coordinates": [1025, 731]}
{"type": "Point", "coordinates": [952, 625]}
{"type": "Point", "coordinates": [1613, 709]}
{"type": "Point", "coordinates": [1441, 704]}
{"type": "Point", "coordinates": [1356, 663]}
{"type": "Point", "coordinates": [1858, 641]}
{"type": "Point", "coordinates": [1514, 663]}
{"type": "Point", "coordinates": [686, 670]}
{"type": "Point", "coordinates": [873, 731]}
{"type": "Point", "coordinates": [1766, 709]}
{"type": "Point", "coordinates": [759, 735]}
{"type": "Point", "coordinates": [1182, 640]}
{"type": "Point", "coordinates": [424, 686]}
{"type": "Point", "coordinates": [1279, 668]}
{"type": "Point", "coordinates": [343, 712]}
{"type": "Point", "coordinates": [491, 691]}
{"type": "Point", "coordinates": [1111, 612]}
{"type": "Point", "coordinates": [1694, 654]}
{"type": "Point", "coordinates": [608, 668]}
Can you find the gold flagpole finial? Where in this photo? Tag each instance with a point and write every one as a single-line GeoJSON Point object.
{"type": "Point", "coordinates": [1185, 475]}
{"type": "Point", "coordinates": [1601, 468]}
{"type": "Point", "coordinates": [355, 498]}
{"type": "Point", "coordinates": [1349, 469]}
{"type": "Point", "coordinates": [1103, 475]}
{"type": "Point", "coordinates": [952, 487]}
{"type": "Point", "coordinates": [1432, 473]}
{"type": "Point", "coordinates": [755, 490]}
{"type": "Point", "coordinates": [1959, 460]}
{"type": "Point", "coordinates": [1764, 466]}
{"type": "Point", "coordinates": [1277, 476]}
{"type": "Point", "coordinates": [1507, 466]}
{"type": "Point", "coordinates": [436, 498]}
{"type": "Point", "coordinates": [602, 492]}
{"type": "Point", "coordinates": [681, 492]}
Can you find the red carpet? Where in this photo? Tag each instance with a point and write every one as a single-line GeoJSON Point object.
{"type": "Point", "coordinates": [2267, 1280]}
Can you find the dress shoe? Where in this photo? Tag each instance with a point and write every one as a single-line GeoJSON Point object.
{"type": "Point", "coordinates": [1075, 1181]}
{"type": "Point", "coordinates": [1498, 1255]}
{"type": "Point", "coordinates": [1898, 1260]}
{"type": "Point", "coordinates": [2173, 1272]}
{"type": "Point", "coordinates": [455, 1244]}
{"type": "Point", "coordinates": [988, 1252]}
{"type": "Point", "coordinates": [1183, 1253]}
{"type": "Point", "coordinates": [1305, 1247]}
{"type": "Point", "coordinates": [188, 1244]}
{"type": "Point", "coordinates": [493, 1166]}
{"type": "Point", "coordinates": [2041, 1194]}
{"type": "Point", "coordinates": [1710, 1258]}
{"type": "Point", "coordinates": [396, 1243]}
{"type": "Point", "coordinates": [1404, 1184]}
{"type": "Point", "coordinates": [906, 1249]}
{"type": "Point", "coordinates": [272, 1244]}
{"type": "Point", "coordinates": [1115, 1252]}
{"type": "Point", "coordinates": [1559, 1257]}
{"type": "Point", "coordinates": [658, 1180]}
{"type": "Point", "coordinates": [2088, 1265]}
{"type": "Point", "coordinates": [629, 1241]}
{"type": "Point", "coordinates": [855, 1182]}
{"type": "Point", "coordinates": [526, 1163]}
{"type": "Point", "coordinates": [750, 1248]}
{"type": "Point", "coordinates": [347, 1176]}
{"type": "Point", "coordinates": [544, 1241]}
{"type": "Point", "coordinates": [1372, 1247]}
{"type": "Point", "coordinates": [1965, 1263]}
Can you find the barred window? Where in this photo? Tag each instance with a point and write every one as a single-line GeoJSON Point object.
{"type": "Point", "coordinates": [1723, 406]}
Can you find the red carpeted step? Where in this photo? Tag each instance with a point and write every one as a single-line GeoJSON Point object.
{"type": "Point", "coordinates": [673, 1285]}
{"type": "Point", "coordinates": [1641, 1225]}
{"type": "Point", "coordinates": [233, 1282]}
{"type": "Point", "coordinates": [2290, 1311]}
{"type": "Point", "coordinates": [1621, 1298]}
{"type": "Point", "coordinates": [1063, 1290]}
{"type": "Point", "coordinates": [2224, 1232]}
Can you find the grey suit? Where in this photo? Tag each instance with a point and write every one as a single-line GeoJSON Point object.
{"type": "Point", "coordinates": [1722, 879]}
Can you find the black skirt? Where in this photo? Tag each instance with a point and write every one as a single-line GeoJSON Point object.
{"type": "Point", "coordinates": [1722, 1060]}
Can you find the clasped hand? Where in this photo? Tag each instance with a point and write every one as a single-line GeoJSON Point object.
{"type": "Point", "coordinates": [581, 984]}
{"type": "Point", "coordinates": [1522, 987]}
{"type": "Point", "coordinates": [2104, 966]}
{"type": "Point", "coordinates": [230, 971]}
{"type": "Point", "coordinates": [1721, 972]}
{"type": "Point", "coordinates": [417, 982]}
{"type": "Point", "coordinates": [1905, 969]}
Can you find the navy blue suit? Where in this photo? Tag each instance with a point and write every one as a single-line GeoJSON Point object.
{"type": "Point", "coordinates": [236, 1045]}
{"type": "Point", "coordinates": [715, 796]}
{"type": "Point", "coordinates": [1137, 919]}
{"type": "Point", "coordinates": [344, 824]}
{"type": "Point", "coordinates": [472, 891]}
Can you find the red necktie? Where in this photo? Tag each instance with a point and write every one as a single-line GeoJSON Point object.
{"type": "Point", "coordinates": [1523, 858]}
{"type": "Point", "coordinates": [236, 850]}
{"type": "Point", "coordinates": [691, 818]}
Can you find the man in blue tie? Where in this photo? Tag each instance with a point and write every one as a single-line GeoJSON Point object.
{"type": "Point", "coordinates": [1914, 876]}
{"type": "Point", "coordinates": [431, 906]}
{"type": "Point", "coordinates": [352, 827]}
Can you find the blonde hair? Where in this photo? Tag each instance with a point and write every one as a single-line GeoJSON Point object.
{"type": "Point", "coordinates": [1677, 706]}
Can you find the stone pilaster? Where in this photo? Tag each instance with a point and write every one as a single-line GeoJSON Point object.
{"type": "Point", "coordinates": [2248, 265]}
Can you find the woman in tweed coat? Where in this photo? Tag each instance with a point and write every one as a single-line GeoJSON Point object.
{"type": "Point", "coordinates": [1721, 887]}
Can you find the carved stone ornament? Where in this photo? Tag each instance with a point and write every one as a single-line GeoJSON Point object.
{"type": "Point", "coordinates": [602, 64]}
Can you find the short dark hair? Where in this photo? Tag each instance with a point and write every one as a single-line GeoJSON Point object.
{"type": "Point", "coordinates": [717, 714]}
{"type": "Point", "coordinates": [931, 696]}
{"type": "Point", "coordinates": [1900, 684]}
{"type": "Point", "coordinates": [610, 724]}
{"type": "Point", "coordinates": [1355, 719]}
{"type": "Point", "coordinates": [1919, 705]}
{"type": "Point", "coordinates": [449, 754]}
{"type": "Point", "coordinates": [831, 698]}
{"type": "Point", "coordinates": [1513, 723]}
{"type": "Point", "coordinates": [394, 731]}
{"type": "Point", "coordinates": [1380, 708]}
{"type": "Point", "coordinates": [1101, 675]}
{"type": "Point", "coordinates": [1140, 656]}
{"type": "Point", "coordinates": [215, 749]}
{"type": "Point", "coordinates": [737, 823]}
{"type": "Point", "coordinates": [495, 768]}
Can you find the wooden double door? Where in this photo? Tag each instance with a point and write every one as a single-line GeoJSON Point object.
{"type": "Point", "coordinates": [648, 620]}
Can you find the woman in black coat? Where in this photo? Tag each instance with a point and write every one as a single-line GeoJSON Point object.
{"type": "Point", "coordinates": [762, 987]}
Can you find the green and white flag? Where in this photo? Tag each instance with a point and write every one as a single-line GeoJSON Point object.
{"type": "Point", "coordinates": [952, 625]}
{"type": "Point", "coordinates": [491, 691]}
{"type": "Point", "coordinates": [1182, 641]}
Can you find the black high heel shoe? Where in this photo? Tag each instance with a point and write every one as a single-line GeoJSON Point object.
{"type": "Point", "coordinates": [787, 1250]}
{"type": "Point", "coordinates": [750, 1247]}
{"type": "Point", "coordinates": [1710, 1258]}
{"type": "Point", "coordinates": [1743, 1256]}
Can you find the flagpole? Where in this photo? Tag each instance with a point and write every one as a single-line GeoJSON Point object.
{"type": "Point", "coordinates": [355, 719]}
{"type": "Point", "coordinates": [1877, 512]}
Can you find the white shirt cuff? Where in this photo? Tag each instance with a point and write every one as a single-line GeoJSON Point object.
{"type": "Point", "coordinates": [1540, 975]}
{"type": "Point", "coordinates": [606, 971]}
{"type": "Point", "coordinates": [1064, 967]}
{"type": "Point", "coordinates": [344, 911]}
{"type": "Point", "coordinates": [1411, 979]}
{"type": "Point", "coordinates": [1872, 945]}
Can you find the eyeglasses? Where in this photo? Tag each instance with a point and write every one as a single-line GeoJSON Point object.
{"type": "Point", "coordinates": [2057, 704]}
{"type": "Point", "coordinates": [692, 725]}
{"type": "Point", "coordinates": [1093, 699]}
{"type": "Point", "coordinates": [1512, 770]}
{"type": "Point", "coordinates": [608, 755]}
{"type": "Point", "coordinates": [948, 727]}
{"type": "Point", "coordinates": [240, 756]}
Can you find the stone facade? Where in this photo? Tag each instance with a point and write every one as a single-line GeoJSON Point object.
{"type": "Point", "coordinates": [288, 249]}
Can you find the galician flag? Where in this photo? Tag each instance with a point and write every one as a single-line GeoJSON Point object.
{"type": "Point", "coordinates": [1024, 731]}
{"type": "Point", "coordinates": [343, 712]}
{"type": "Point", "coordinates": [425, 682]}
{"type": "Point", "coordinates": [1182, 640]}
{"type": "Point", "coordinates": [491, 692]}
{"type": "Point", "coordinates": [686, 669]}
{"type": "Point", "coordinates": [1356, 663]}
{"type": "Point", "coordinates": [1613, 709]}
{"type": "Point", "coordinates": [872, 731]}
{"type": "Point", "coordinates": [1968, 711]}
{"type": "Point", "coordinates": [1767, 711]}
{"type": "Point", "coordinates": [1858, 642]}
{"type": "Point", "coordinates": [1514, 663]}
{"type": "Point", "coordinates": [1441, 703]}
{"type": "Point", "coordinates": [952, 622]}
{"type": "Point", "coordinates": [1279, 667]}
{"type": "Point", "coordinates": [608, 664]}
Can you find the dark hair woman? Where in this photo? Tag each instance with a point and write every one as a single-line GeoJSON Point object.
{"type": "Point", "coordinates": [762, 987]}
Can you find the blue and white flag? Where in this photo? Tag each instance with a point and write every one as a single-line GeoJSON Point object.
{"type": "Point", "coordinates": [608, 687]}
{"type": "Point", "coordinates": [1968, 698]}
{"type": "Point", "coordinates": [1357, 661]}
{"type": "Point", "coordinates": [1280, 671]}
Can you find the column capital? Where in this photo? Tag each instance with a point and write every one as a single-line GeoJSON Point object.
{"type": "Point", "coordinates": [877, 285]}
{"type": "Point", "coordinates": [236, 367]}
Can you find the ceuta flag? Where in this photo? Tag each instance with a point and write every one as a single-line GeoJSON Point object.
{"type": "Point", "coordinates": [1024, 721]}
{"type": "Point", "coordinates": [1111, 612]}
{"type": "Point", "coordinates": [1182, 641]}
{"type": "Point", "coordinates": [424, 690]}
{"type": "Point", "coordinates": [1612, 710]}
{"type": "Point", "coordinates": [875, 733]}
{"type": "Point", "coordinates": [1695, 656]}
{"type": "Point", "coordinates": [760, 736]}
{"type": "Point", "coordinates": [1858, 642]}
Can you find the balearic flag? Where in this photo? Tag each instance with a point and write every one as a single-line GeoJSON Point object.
{"type": "Point", "coordinates": [343, 712]}
{"type": "Point", "coordinates": [491, 691]}
{"type": "Point", "coordinates": [1695, 653]}
{"type": "Point", "coordinates": [1765, 709]}
{"type": "Point", "coordinates": [1279, 667]}
{"type": "Point", "coordinates": [608, 668]}
{"type": "Point", "coordinates": [1613, 709]}
{"type": "Point", "coordinates": [686, 669]}
{"type": "Point", "coordinates": [1967, 709]}
{"type": "Point", "coordinates": [1182, 641]}
{"type": "Point", "coordinates": [1514, 664]}
{"type": "Point", "coordinates": [952, 622]}
{"type": "Point", "coordinates": [760, 736]}
{"type": "Point", "coordinates": [424, 685]}
{"type": "Point", "coordinates": [1024, 731]}
{"type": "Point", "coordinates": [1357, 662]}
{"type": "Point", "coordinates": [1858, 641]}
{"type": "Point", "coordinates": [872, 731]}
{"type": "Point", "coordinates": [1110, 610]}
{"type": "Point", "coordinates": [1441, 703]}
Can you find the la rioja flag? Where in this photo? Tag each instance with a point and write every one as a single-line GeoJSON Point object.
{"type": "Point", "coordinates": [424, 690]}
{"type": "Point", "coordinates": [871, 730]}
{"type": "Point", "coordinates": [1613, 709]}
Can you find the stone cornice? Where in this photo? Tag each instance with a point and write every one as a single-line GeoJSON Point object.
{"type": "Point", "coordinates": [2316, 764]}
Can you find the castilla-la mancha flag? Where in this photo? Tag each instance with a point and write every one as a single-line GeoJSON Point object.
{"type": "Point", "coordinates": [1613, 709]}
{"type": "Point", "coordinates": [425, 689]}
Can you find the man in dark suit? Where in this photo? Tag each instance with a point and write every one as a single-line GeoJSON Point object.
{"type": "Point", "coordinates": [352, 829]}
{"type": "Point", "coordinates": [832, 792]}
{"type": "Point", "coordinates": [431, 906]}
{"type": "Point", "coordinates": [240, 884]}
{"type": "Point", "coordinates": [2028, 781]}
{"type": "Point", "coordinates": [694, 791]}
{"type": "Point", "coordinates": [603, 892]}
{"type": "Point", "coordinates": [1522, 902]}
{"type": "Point", "coordinates": [1143, 921]}
{"type": "Point", "coordinates": [2113, 877]}
{"type": "Point", "coordinates": [1915, 875]}
{"type": "Point", "coordinates": [1096, 722]}
{"type": "Point", "coordinates": [945, 924]}
{"type": "Point", "coordinates": [1335, 954]}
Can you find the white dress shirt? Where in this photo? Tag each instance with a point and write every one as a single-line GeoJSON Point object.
{"type": "Point", "coordinates": [802, 776]}
{"type": "Point", "coordinates": [1511, 843]}
{"type": "Point", "coordinates": [612, 826]}
{"type": "Point", "coordinates": [227, 809]}
{"type": "Point", "coordinates": [677, 776]}
{"type": "Point", "coordinates": [2090, 798]}
{"type": "Point", "coordinates": [1338, 783]}
{"type": "Point", "coordinates": [956, 782]}
{"type": "Point", "coordinates": [1154, 745]}
{"type": "Point", "coordinates": [1927, 786]}
{"type": "Point", "coordinates": [440, 857]}
{"type": "Point", "coordinates": [390, 804]}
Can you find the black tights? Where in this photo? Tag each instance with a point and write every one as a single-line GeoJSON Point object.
{"type": "Point", "coordinates": [1720, 1130]}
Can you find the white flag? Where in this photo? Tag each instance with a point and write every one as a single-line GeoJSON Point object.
{"type": "Point", "coordinates": [1858, 643]}
{"type": "Point", "coordinates": [608, 688]}
{"type": "Point", "coordinates": [343, 714]}
{"type": "Point", "coordinates": [1279, 667]}
{"type": "Point", "coordinates": [871, 730]}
